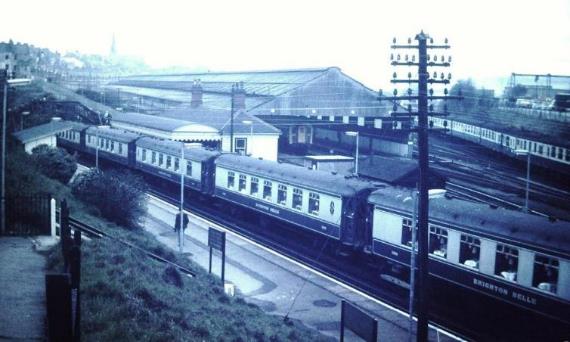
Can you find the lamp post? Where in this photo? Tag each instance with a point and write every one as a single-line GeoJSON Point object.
{"type": "Point", "coordinates": [250, 123]}
{"type": "Point", "coordinates": [97, 148]}
{"type": "Point", "coordinates": [527, 153]}
{"type": "Point", "coordinates": [6, 84]}
{"type": "Point", "coordinates": [182, 174]}
{"type": "Point", "coordinates": [354, 134]}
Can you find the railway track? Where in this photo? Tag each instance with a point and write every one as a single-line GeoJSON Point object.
{"type": "Point", "coordinates": [469, 194]}
{"type": "Point", "coordinates": [467, 167]}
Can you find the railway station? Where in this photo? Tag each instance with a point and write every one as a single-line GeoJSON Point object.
{"type": "Point", "coordinates": [251, 172]}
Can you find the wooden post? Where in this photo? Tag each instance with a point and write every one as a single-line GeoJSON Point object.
{"type": "Point", "coordinates": [65, 232]}
{"type": "Point", "coordinates": [58, 302]}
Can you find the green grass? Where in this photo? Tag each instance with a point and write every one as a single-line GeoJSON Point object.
{"type": "Point", "coordinates": [127, 296]}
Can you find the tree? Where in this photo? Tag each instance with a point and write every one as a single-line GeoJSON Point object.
{"type": "Point", "coordinates": [55, 163]}
{"type": "Point", "coordinates": [474, 99]}
{"type": "Point", "coordinates": [119, 196]}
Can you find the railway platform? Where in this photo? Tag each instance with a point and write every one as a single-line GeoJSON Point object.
{"type": "Point", "coordinates": [278, 285]}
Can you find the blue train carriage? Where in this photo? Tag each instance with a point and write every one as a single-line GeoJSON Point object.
{"type": "Point", "coordinates": [516, 257]}
{"type": "Point", "coordinates": [113, 144]}
{"type": "Point", "coordinates": [74, 138]}
{"type": "Point", "coordinates": [163, 159]}
{"type": "Point", "coordinates": [320, 202]}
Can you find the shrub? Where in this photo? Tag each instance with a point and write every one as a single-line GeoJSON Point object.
{"type": "Point", "coordinates": [55, 163]}
{"type": "Point", "coordinates": [119, 196]}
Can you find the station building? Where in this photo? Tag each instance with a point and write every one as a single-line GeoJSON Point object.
{"type": "Point", "coordinates": [309, 106]}
{"type": "Point", "coordinates": [44, 134]}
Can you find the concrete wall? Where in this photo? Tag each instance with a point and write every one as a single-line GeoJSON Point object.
{"type": "Point", "coordinates": [330, 138]}
{"type": "Point", "coordinates": [258, 146]}
{"type": "Point", "coordinates": [51, 141]}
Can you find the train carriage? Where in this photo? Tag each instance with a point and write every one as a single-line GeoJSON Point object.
{"type": "Point", "coordinates": [321, 202]}
{"type": "Point", "coordinates": [163, 158]}
{"type": "Point", "coordinates": [74, 138]}
{"type": "Point", "coordinates": [515, 257]}
{"type": "Point", "coordinates": [110, 143]}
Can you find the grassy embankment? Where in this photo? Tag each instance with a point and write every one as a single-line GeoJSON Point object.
{"type": "Point", "coordinates": [127, 296]}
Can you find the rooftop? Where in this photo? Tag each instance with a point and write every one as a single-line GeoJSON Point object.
{"type": "Point", "coordinates": [220, 119]}
{"type": "Point", "coordinates": [482, 219]}
{"type": "Point", "coordinates": [41, 131]}
{"type": "Point", "coordinates": [268, 83]}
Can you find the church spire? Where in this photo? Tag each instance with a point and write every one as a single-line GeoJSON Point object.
{"type": "Point", "coordinates": [113, 46]}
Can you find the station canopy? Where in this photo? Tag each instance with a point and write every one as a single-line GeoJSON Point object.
{"type": "Point", "coordinates": [165, 128]}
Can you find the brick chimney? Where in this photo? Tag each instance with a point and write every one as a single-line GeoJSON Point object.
{"type": "Point", "coordinates": [196, 94]}
{"type": "Point", "coordinates": [238, 96]}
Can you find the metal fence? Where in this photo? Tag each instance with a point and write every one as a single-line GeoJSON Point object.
{"type": "Point", "coordinates": [28, 215]}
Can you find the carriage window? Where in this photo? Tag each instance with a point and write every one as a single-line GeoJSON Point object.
{"type": "Point", "coordinates": [470, 250]}
{"type": "Point", "coordinates": [559, 153]}
{"type": "Point", "coordinates": [242, 180]}
{"type": "Point", "coordinates": [314, 203]}
{"type": "Point", "coordinates": [160, 159]}
{"type": "Point", "coordinates": [254, 187]}
{"type": "Point", "coordinates": [120, 148]}
{"type": "Point", "coordinates": [107, 142]}
{"type": "Point", "coordinates": [89, 139]}
{"type": "Point", "coordinates": [281, 194]}
{"type": "Point", "coordinates": [407, 232]}
{"type": "Point", "coordinates": [438, 241]}
{"type": "Point", "coordinates": [101, 142]}
{"type": "Point", "coordinates": [231, 179]}
{"type": "Point", "coordinates": [112, 145]}
{"type": "Point", "coordinates": [506, 262]}
{"type": "Point", "coordinates": [545, 275]}
{"type": "Point", "coordinates": [189, 168]}
{"type": "Point", "coordinates": [540, 149]}
{"type": "Point", "coordinates": [168, 162]}
{"type": "Point", "coordinates": [267, 190]}
{"type": "Point", "coordinates": [176, 164]}
{"type": "Point", "coordinates": [153, 157]}
{"type": "Point", "coordinates": [297, 198]}
{"type": "Point", "coordinates": [567, 155]}
{"type": "Point", "coordinates": [552, 151]}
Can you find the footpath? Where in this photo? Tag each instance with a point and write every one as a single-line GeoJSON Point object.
{"type": "Point", "coordinates": [22, 284]}
{"type": "Point", "coordinates": [277, 285]}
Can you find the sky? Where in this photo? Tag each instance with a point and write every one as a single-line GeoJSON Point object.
{"type": "Point", "coordinates": [489, 39]}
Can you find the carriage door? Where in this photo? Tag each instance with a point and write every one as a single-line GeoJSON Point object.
{"type": "Point", "coordinates": [302, 138]}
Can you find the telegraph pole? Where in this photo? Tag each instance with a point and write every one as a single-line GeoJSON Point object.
{"type": "Point", "coordinates": [4, 84]}
{"type": "Point", "coordinates": [423, 111]}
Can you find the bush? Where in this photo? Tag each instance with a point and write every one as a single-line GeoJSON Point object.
{"type": "Point", "coordinates": [55, 163]}
{"type": "Point", "coordinates": [119, 196]}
